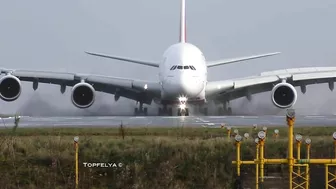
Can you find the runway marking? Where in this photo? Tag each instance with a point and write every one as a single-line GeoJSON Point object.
{"type": "Point", "coordinates": [217, 117]}
{"type": "Point", "coordinates": [74, 118]}
{"type": "Point", "coordinates": [105, 118]}
{"type": "Point", "coordinates": [312, 116]}
{"type": "Point", "coordinates": [202, 120]}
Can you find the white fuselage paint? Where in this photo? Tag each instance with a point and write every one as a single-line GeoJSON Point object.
{"type": "Point", "coordinates": [183, 82]}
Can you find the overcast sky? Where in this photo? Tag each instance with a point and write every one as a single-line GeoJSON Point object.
{"type": "Point", "coordinates": [53, 35]}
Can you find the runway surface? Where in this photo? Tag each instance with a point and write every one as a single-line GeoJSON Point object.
{"type": "Point", "coordinates": [191, 121]}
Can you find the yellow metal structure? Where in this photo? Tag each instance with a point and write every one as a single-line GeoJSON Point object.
{"type": "Point", "coordinates": [300, 180]}
{"type": "Point", "coordinates": [76, 162]}
{"type": "Point", "coordinates": [257, 166]}
{"type": "Point", "coordinates": [262, 161]}
{"type": "Point", "coordinates": [330, 178]}
{"type": "Point", "coordinates": [307, 167]}
{"type": "Point", "coordinates": [290, 122]}
{"type": "Point", "coordinates": [228, 130]}
{"type": "Point", "coordinates": [298, 153]}
{"type": "Point", "coordinates": [296, 178]}
{"type": "Point", "coordinates": [238, 157]}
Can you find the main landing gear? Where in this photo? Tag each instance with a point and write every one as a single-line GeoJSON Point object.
{"type": "Point", "coordinates": [141, 110]}
{"type": "Point", "coordinates": [225, 109]}
{"type": "Point", "coordinates": [165, 111]}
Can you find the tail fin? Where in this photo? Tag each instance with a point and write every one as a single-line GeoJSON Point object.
{"type": "Point", "coordinates": [183, 28]}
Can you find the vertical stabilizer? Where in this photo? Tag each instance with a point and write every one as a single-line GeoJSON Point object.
{"type": "Point", "coordinates": [183, 23]}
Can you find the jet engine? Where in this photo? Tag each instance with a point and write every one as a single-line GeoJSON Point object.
{"type": "Point", "coordinates": [83, 95]}
{"type": "Point", "coordinates": [284, 95]}
{"type": "Point", "coordinates": [10, 88]}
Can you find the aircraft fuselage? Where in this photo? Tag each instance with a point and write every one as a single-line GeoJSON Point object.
{"type": "Point", "coordinates": [183, 73]}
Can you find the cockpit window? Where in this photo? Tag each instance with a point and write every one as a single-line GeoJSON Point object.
{"type": "Point", "coordinates": [173, 68]}
{"type": "Point", "coordinates": [182, 67]}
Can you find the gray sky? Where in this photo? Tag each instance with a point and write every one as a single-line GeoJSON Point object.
{"type": "Point", "coordinates": [41, 35]}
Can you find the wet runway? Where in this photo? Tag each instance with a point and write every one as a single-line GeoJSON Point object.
{"type": "Point", "coordinates": [191, 121]}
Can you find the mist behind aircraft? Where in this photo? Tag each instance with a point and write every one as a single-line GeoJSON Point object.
{"type": "Point", "coordinates": [40, 35]}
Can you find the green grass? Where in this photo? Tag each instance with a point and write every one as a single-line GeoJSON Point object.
{"type": "Point", "coordinates": [152, 157]}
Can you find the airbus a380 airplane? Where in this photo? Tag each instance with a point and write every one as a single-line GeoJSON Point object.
{"type": "Point", "coordinates": [182, 81]}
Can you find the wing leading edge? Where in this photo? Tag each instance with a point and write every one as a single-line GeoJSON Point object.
{"type": "Point", "coordinates": [243, 87]}
{"type": "Point", "coordinates": [233, 60]}
{"type": "Point", "coordinates": [124, 87]}
{"type": "Point", "coordinates": [147, 63]}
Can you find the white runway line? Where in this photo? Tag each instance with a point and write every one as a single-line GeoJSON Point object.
{"type": "Point", "coordinates": [312, 116]}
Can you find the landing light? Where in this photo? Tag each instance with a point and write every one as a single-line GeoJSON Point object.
{"type": "Point", "coordinates": [235, 131]}
{"type": "Point", "coordinates": [265, 129]}
{"type": "Point", "coordinates": [276, 131]}
{"type": "Point", "coordinates": [183, 99]}
{"type": "Point", "coordinates": [256, 140]}
{"type": "Point", "coordinates": [246, 135]}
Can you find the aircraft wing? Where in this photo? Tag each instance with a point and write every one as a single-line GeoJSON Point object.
{"type": "Point", "coordinates": [147, 63]}
{"type": "Point", "coordinates": [227, 90]}
{"type": "Point", "coordinates": [233, 60]}
{"type": "Point", "coordinates": [128, 88]}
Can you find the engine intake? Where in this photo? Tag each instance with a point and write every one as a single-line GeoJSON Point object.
{"type": "Point", "coordinates": [10, 88]}
{"type": "Point", "coordinates": [83, 95]}
{"type": "Point", "coordinates": [284, 95]}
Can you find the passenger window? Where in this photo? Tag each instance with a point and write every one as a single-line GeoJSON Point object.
{"type": "Point", "coordinates": [179, 67]}
{"type": "Point", "coordinates": [192, 67]}
{"type": "Point", "coordinates": [186, 67]}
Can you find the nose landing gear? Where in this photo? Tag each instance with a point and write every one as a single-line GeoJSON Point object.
{"type": "Point", "coordinates": [183, 110]}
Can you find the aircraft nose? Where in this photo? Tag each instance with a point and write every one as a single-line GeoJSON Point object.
{"type": "Point", "coordinates": [186, 85]}
{"type": "Point", "coordinates": [191, 86]}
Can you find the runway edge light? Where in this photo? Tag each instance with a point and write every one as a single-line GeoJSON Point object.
{"type": "Point", "coordinates": [238, 138]}
{"type": "Point", "coordinates": [298, 138]}
{"type": "Point", "coordinates": [276, 131]}
{"type": "Point", "coordinates": [76, 138]}
{"type": "Point", "coordinates": [308, 140]}
{"type": "Point", "coordinates": [261, 135]}
{"type": "Point", "coordinates": [334, 135]}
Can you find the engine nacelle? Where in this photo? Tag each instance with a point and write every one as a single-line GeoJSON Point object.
{"type": "Point", "coordinates": [10, 88]}
{"type": "Point", "coordinates": [83, 95]}
{"type": "Point", "coordinates": [284, 95]}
